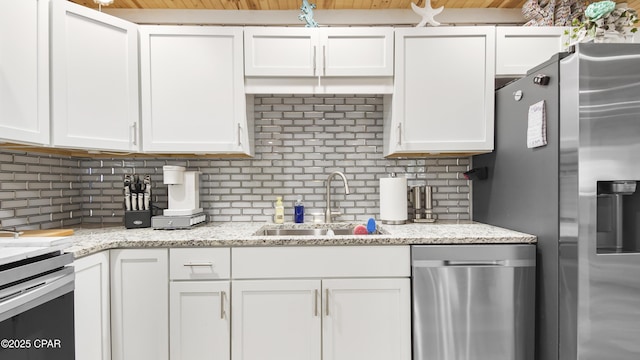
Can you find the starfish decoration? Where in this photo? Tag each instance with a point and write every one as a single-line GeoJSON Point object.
{"type": "Point", "coordinates": [427, 13]}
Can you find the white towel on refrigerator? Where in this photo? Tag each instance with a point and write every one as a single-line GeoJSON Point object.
{"type": "Point", "coordinates": [537, 127]}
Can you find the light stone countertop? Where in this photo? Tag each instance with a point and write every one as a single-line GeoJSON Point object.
{"type": "Point", "coordinates": [89, 241]}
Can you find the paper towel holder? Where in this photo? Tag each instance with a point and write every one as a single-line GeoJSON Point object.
{"type": "Point", "coordinates": [400, 199]}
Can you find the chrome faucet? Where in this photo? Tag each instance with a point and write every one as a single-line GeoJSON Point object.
{"type": "Point", "coordinates": [330, 214]}
{"type": "Point", "coordinates": [16, 233]}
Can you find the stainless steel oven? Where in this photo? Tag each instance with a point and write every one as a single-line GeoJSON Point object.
{"type": "Point", "coordinates": [36, 308]}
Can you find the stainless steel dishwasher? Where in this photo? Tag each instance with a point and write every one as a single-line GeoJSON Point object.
{"type": "Point", "coordinates": [473, 302]}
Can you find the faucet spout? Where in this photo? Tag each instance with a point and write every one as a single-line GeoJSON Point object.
{"type": "Point", "coordinates": [330, 214]}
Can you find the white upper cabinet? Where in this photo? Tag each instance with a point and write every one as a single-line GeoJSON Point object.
{"type": "Point", "coordinates": [356, 51]}
{"type": "Point", "coordinates": [318, 51]}
{"type": "Point", "coordinates": [193, 97]}
{"type": "Point", "coordinates": [24, 71]}
{"type": "Point", "coordinates": [443, 100]}
{"type": "Point", "coordinates": [520, 48]}
{"type": "Point", "coordinates": [280, 51]}
{"type": "Point", "coordinates": [94, 89]}
{"type": "Point", "coordinates": [318, 60]}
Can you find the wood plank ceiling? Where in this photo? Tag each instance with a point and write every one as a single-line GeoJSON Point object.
{"type": "Point", "coordinates": [321, 4]}
{"type": "Point", "coordinates": [295, 4]}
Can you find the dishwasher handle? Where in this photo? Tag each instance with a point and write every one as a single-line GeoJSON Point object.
{"type": "Point", "coordinates": [476, 263]}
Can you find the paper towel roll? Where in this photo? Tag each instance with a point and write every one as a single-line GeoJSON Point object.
{"type": "Point", "coordinates": [393, 200]}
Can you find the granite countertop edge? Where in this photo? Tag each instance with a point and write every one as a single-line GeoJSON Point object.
{"type": "Point", "coordinates": [87, 241]}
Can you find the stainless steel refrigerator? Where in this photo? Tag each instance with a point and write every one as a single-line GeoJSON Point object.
{"type": "Point", "coordinates": [577, 193]}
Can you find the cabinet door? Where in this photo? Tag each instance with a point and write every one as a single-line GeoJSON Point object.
{"type": "Point", "coordinates": [193, 96]}
{"type": "Point", "coordinates": [94, 88]}
{"type": "Point", "coordinates": [24, 71]}
{"type": "Point", "coordinates": [139, 304]}
{"type": "Point", "coordinates": [444, 83]}
{"type": "Point", "coordinates": [318, 52]}
{"type": "Point", "coordinates": [92, 307]}
{"type": "Point", "coordinates": [519, 49]}
{"type": "Point", "coordinates": [280, 51]}
{"type": "Point", "coordinates": [357, 51]}
{"type": "Point", "coordinates": [276, 320]}
{"type": "Point", "coordinates": [366, 319]}
{"type": "Point", "coordinates": [199, 320]}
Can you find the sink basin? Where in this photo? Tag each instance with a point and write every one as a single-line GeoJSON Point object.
{"type": "Point", "coordinates": [309, 230]}
{"type": "Point", "coordinates": [303, 232]}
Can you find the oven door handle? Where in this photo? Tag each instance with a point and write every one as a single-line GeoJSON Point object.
{"type": "Point", "coordinates": [38, 295]}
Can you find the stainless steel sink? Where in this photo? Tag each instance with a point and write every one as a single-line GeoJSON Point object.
{"type": "Point", "coordinates": [303, 232]}
{"type": "Point", "coordinates": [318, 230]}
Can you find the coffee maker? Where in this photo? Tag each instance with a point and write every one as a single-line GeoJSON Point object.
{"type": "Point", "coordinates": [184, 209]}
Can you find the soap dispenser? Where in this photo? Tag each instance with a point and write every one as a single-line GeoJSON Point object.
{"type": "Point", "coordinates": [279, 215]}
{"type": "Point", "coordinates": [298, 211]}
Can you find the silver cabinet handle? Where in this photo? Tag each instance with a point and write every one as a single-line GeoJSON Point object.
{"type": "Point", "coordinates": [315, 303]}
{"type": "Point", "coordinates": [314, 59]}
{"type": "Point", "coordinates": [222, 295]}
{"type": "Point", "coordinates": [324, 60]}
{"type": "Point", "coordinates": [207, 264]}
{"type": "Point", "coordinates": [327, 300]}
{"type": "Point", "coordinates": [135, 133]}
{"type": "Point", "coordinates": [400, 134]}
{"type": "Point", "coordinates": [239, 135]}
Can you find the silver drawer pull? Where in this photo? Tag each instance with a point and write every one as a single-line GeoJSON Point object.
{"type": "Point", "coordinates": [207, 264]}
{"type": "Point", "coordinates": [222, 295]}
{"type": "Point", "coordinates": [327, 300]}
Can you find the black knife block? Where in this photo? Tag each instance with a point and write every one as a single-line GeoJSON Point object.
{"type": "Point", "coordinates": [134, 219]}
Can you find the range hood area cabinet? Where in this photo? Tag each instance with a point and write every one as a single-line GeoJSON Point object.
{"type": "Point", "coordinates": [443, 98]}
{"type": "Point", "coordinates": [94, 79]}
{"type": "Point", "coordinates": [332, 60]}
{"type": "Point", "coordinates": [193, 97]}
{"type": "Point", "coordinates": [24, 71]}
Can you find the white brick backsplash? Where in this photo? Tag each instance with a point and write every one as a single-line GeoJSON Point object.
{"type": "Point", "coordinates": [299, 140]}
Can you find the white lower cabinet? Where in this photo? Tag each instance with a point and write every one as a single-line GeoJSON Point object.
{"type": "Point", "coordinates": [276, 320]}
{"type": "Point", "coordinates": [199, 304]}
{"type": "Point", "coordinates": [330, 319]}
{"type": "Point", "coordinates": [247, 303]}
{"type": "Point", "coordinates": [92, 307]}
{"type": "Point", "coordinates": [199, 320]}
{"type": "Point", "coordinates": [367, 319]}
{"type": "Point", "coordinates": [313, 303]}
{"type": "Point", "coordinates": [140, 304]}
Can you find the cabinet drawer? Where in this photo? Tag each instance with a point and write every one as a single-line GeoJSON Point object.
{"type": "Point", "coordinates": [199, 263]}
{"type": "Point", "coordinates": [320, 261]}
